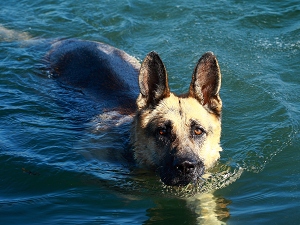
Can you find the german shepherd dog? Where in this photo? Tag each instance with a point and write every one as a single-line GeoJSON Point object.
{"type": "Point", "coordinates": [176, 135]}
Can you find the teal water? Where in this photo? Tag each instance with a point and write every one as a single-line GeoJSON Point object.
{"type": "Point", "coordinates": [54, 154]}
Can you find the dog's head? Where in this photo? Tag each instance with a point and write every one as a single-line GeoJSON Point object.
{"type": "Point", "coordinates": [178, 135]}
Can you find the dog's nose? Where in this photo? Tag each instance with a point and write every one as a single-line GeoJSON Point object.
{"type": "Point", "coordinates": [184, 166]}
{"type": "Point", "coordinates": [182, 171]}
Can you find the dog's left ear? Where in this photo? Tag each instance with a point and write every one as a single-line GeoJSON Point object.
{"type": "Point", "coordinates": [206, 83]}
{"type": "Point", "coordinates": [153, 81]}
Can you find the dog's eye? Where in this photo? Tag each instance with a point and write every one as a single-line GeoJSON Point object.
{"type": "Point", "coordinates": [198, 131]}
{"type": "Point", "coordinates": [162, 131]}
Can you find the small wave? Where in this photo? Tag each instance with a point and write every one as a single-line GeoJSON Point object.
{"type": "Point", "coordinates": [219, 177]}
{"type": "Point", "coordinates": [141, 181]}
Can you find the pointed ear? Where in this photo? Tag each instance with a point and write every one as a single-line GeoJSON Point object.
{"type": "Point", "coordinates": [206, 83]}
{"type": "Point", "coordinates": [153, 81]}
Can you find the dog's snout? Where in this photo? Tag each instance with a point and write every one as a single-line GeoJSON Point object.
{"type": "Point", "coordinates": [182, 171]}
{"type": "Point", "coordinates": [185, 166]}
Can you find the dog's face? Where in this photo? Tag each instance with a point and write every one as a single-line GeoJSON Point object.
{"type": "Point", "coordinates": [178, 135]}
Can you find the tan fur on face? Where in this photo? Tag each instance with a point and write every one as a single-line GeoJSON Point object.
{"type": "Point", "coordinates": [180, 111]}
{"type": "Point", "coordinates": [178, 136]}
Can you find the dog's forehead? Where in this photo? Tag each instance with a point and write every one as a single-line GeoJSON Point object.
{"type": "Point", "coordinates": [191, 108]}
{"type": "Point", "coordinates": [181, 110]}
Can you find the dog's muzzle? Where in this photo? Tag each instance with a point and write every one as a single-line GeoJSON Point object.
{"type": "Point", "coordinates": [181, 171]}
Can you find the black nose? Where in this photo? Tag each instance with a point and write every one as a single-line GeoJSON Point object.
{"type": "Point", "coordinates": [182, 171]}
{"type": "Point", "coordinates": [185, 166]}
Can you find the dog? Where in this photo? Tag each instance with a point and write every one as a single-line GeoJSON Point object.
{"type": "Point", "coordinates": [176, 135]}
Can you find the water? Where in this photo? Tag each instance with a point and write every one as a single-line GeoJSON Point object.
{"type": "Point", "coordinates": [56, 164]}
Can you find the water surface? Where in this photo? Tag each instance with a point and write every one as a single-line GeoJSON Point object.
{"type": "Point", "coordinates": [56, 164]}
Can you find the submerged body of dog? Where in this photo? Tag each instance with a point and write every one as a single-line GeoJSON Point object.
{"type": "Point", "coordinates": [176, 135]}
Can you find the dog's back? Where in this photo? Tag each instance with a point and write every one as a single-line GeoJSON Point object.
{"type": "Point", "coordinates": [107, 73]}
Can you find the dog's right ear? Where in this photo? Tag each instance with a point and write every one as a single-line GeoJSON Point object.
{"type": "Point", "coordinates": [206, 83]}
{"type": "Point", "coordinates": [153, 81]}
